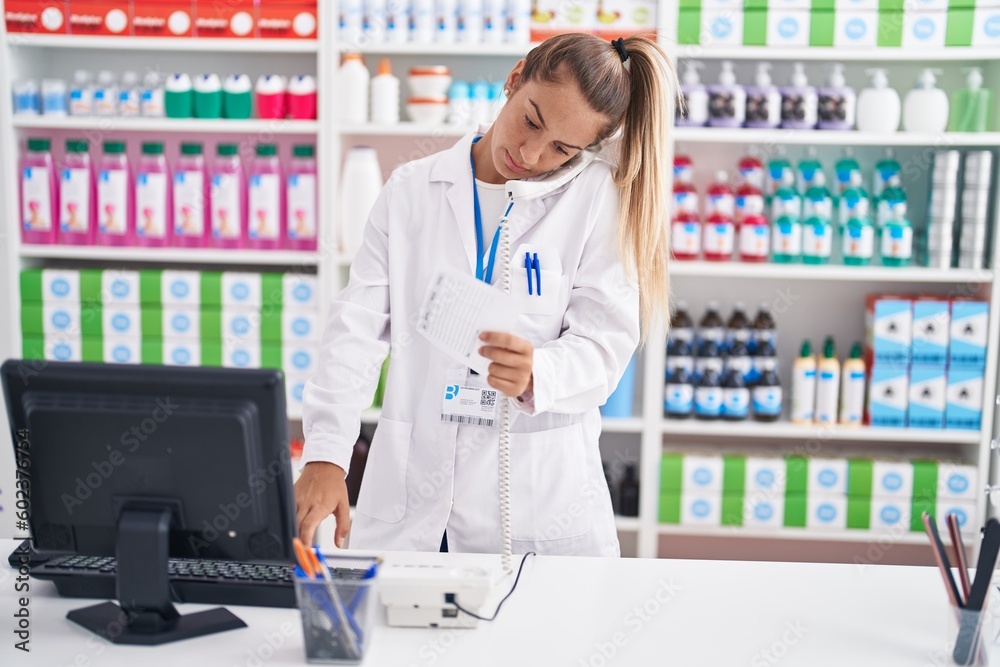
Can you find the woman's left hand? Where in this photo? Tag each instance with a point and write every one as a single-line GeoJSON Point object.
{"type": "Point", "coordinates": [513, 358]}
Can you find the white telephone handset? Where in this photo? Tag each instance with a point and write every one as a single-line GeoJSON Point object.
{"type": "Point", "coordinates": [520, 191]}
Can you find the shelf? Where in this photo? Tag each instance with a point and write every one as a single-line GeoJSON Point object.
{"type": "Point", "coordinates": [845, 535]}
{"type": "Point", "coordinates": [726, 135]}
{"type": "Point", "coordinates": [119, 124]}
{"type": "Point", "coordinates": [172, 255]}
{"type": "Point", "coordinates": [185, 44]}
{"type": "Point", "coordinates": [787, 431]}
{"type": "Point", "coordinates": [405, 130]}
{"type": "Point", "coordinates": [765, 271]}
{"type": "Point", "coordinates": [453, 50]}
{"type": "Point", "coordinates": [627, 524]}
{"type": "Point", "coordinates": [830, 54]}
{"type": "Point", "coordinates": [621, 424]}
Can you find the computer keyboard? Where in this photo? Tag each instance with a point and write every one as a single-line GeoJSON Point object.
{"type": "Point", "coordinates": [191, 580]}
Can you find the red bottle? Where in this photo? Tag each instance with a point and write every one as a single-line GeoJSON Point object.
{"type": "Point", "coordinates": [751, 171]}
{"type": "Point", "coordinates": [683, 168]}
{"type": "Point", "coordinates": [755, 238]}
{"type": "Point", "coordinates": [685, 236]}
{"type": "Point", "coordinates": [749, 201]}
{"type": "Point", "coordinates": [685, 195]}
{"type": "Point", "coordinates": [720, 200]}
{"type": "Point", "coordinates": [719, 238]}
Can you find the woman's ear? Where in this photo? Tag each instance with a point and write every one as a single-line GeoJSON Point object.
{"type": "Point", "coordinates": [514, 78]}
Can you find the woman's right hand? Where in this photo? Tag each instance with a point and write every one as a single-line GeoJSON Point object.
{"type": "Point", "coordinates": [321, 491]}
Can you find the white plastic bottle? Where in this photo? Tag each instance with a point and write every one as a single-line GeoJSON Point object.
{"type": "Point", "coordinates": [494, 21]}
{"type": "Point", "coordinates": [519, 21]}
{"type": "Point", "coordinates": [827, 384]}
{"type": "Point", "coordinates": [878, 105]}
{"type": "Point", "coordinates": [385, 95]}
{"type": "Point", "coordinates": [925, 108]}
{"type": "Point", "coordinates": [151, 103]}
{"type": "Point", "coordinates": [446, 12]}
{"type": "Point", "coordinates": [397, 22]}
{"type": "Point", "coordinates": [423, 24]}
{"type": "Point", "coordinates": [695, 113]}
{"type": "Point", "coordinates": [804, 386]}
{"type": "Point", "coordinates": [470, 21]}
{"type": "Point", "coordinates": [352, 89]}
{"type": "Point", "coordinates": [362, 179]}
{"type": "Point", "coordinates": [352, 22]}
{"type": "Point", "coordinates": [130, 96]}
{"type": "Point", "coordinates": [852, 394]}
{"type": "Point", "coordinates": [81, 94]}
{"type": "Point", "coordinates": [106, 95]}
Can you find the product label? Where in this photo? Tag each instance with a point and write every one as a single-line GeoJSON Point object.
{"type": "Point", "coordinates": [675, 362]}
{"type": "Point", "coordinates": [852, 206]}
{"type": "Point", "coordinates": [74, 201]}
{"type": "Point", "coordinates": [685, 237]}
{"type": "Point", "coordinates": [703, 364]}
{"type": "Point", "coordinates": [754, 241]}
{"type": "Point", "coordinates": [719, 238]}
{"type": "Point", "coordinates": [679, 399]}
{"type": "Point", "coordinates": [708, 401]}
{"type": "Point", "coordinates": [81, 102]}
{"type": "Point", "coordinates": [105, 102]}
{"type": "Point", "coordinates": [790, 206]}
{"type": "Point", "coordinates": [759, 109]}
{"type": "Point", "coordinates": [787, 238]}
{"type": "Point", "coordinates": [112, 202]}
{"type": "Point", "coordinates": [151, 205]}
{"type": "Point", "coordinates": [189, 203]}
{"type": "Point", "coordinates": [818, 208]}
{"type": "Point", "coordinates": [817, 240]}
{"type": "Point", "coordinates": [265, 207]}
{"type": "Point", "coordinates": [36, 199]}
{"type": "Point", "coordinates": [749, 205]}
{"type": "Point", "coordinates": [859, 242]}
{"type": "Point", "coordinates": [736, 402]}
{"type": "Point", "coordinates": [685, 202]}
{"type": "Point", "coordinates": [724, 204]}
{"type": "Point", "coordinates": [301, 206]}
{"type": "Point", "coordinates": [897, 242]}
{"type": "Point", "coordinates": [767, 401]}
{"type": "Point", "coordinates": [804, 395]}
{"type": "Point", "coordinates": [225, 206]}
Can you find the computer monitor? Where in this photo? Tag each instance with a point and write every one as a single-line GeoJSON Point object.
{"type": "Point", "coordinates": [150, 462]}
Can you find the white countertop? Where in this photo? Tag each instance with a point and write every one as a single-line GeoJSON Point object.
{"type": "Point", "coordinates": [578, 612]}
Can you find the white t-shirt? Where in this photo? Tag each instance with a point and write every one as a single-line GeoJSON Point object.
{"type": "Point", "coordinates": [492, 204]}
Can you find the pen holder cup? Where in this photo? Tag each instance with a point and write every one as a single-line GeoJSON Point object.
{"type": "Point", "coordinates": [968, 636]}
{"type": "Point", "coordinates": [337, 618]}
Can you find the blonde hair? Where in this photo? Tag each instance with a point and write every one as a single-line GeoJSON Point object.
{"type": "Point", "coordinates": [636, 97]}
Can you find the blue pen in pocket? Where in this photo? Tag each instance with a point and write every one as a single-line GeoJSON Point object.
{"type": "Point", "coordinates": [538, 273]}
{"type": "Point", "coordinates": [527, 269]}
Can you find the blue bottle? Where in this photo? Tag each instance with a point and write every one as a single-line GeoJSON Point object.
{"type": "Point", "coordinates": [708, 396]}
{"type": "Point", "coordinates": [735, 396]}
{"type": "Point", "coordinates": [767, 396]}
{"type": "Point", "coordinates": [678, 395]}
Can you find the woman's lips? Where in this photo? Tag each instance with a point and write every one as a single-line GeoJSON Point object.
{"type": "Point", "coordinates": [513, 166]}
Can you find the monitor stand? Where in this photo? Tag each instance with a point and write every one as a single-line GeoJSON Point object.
{"type": "Point", "coordinates": [146, 616]}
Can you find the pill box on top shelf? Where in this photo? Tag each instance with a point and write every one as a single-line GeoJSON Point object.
{"type": "Point", "coordinates": [232, 19]}
{"type": "Point", "coordinates": [286, 19]}
{"type": "Point", "coordinates": [99, 17]}
{"type": "Point", "coordinates": [969, 333]}
{"type": "Point", "coordinates": [163, 18]}
{"type": "Point", "coordinates": [888, 328]}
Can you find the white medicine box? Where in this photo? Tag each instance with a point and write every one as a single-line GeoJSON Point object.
{"type": "Point", "coordinates": [122, 320]}
{"type": "Point", "coordinates": [931, 330]}
{"type": "Point", "coordinates": [826, 512]}
{"type": "Point", "coordinates": [957, 481]}
{"type": "Point", "coordinates": [181, 352]}
{"type": "Point", "coordinates": [182, 322]}
{"type": "Point", "coordinates": [827, 477]}
{"type": "Point", "coordinates": [964, 511]}
{"type": "Point", "coordinates": [299, 291]}
{"type": "Point", "coordinates": [765, 476]}
{"type": "Point", "coordinates": [60, 285]}
{"type": "Point", "coordinates": [241, 289]}
{"type": "Point", "coordinates": [180, 288]}
{"type": "Point", "coordinates": [969, 333]}
{"type": "Point", "coordinates": [701, 509]}
{"type": "Point", "coordinates": [890, 514]}
{"type": "Point", "coordinates": [764, 512]}
{"type": "Point", "coordinates": [300, 325]}
{"type": "Point", "coordinates": [702, 473]}
{"type": "Point", "coordinates": [892, 479]}
{"type": "Point", "coordinates": [118, 350]}
{"type": "Point", "coordinates": [301, 359]}
{"type": "Point", "coordinates": [120, 287]}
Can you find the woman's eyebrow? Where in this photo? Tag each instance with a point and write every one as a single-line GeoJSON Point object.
{"type": "Point", "coordinates": [541, 121]}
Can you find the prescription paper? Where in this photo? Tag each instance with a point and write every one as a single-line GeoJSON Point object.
{"type": "Point", "coordinates": [456, 309]}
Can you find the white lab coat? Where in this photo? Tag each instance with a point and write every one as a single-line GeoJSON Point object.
{"type": "Point", "coordinates": [424, 476]}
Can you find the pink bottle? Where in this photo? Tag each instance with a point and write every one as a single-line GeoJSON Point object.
{"type": "Point", "coordinates": [720, 200]}
{"type": "Point", "coordinates": [266, 227]}
{"type": "Point", "coordinates": [301, 197]}
{"type": "Point", "coordinates": [749, 201]}
{"type": "Point", "coordinates": [39, 196]}
{"type": "Point", "coordinates": [302, 98]}
{"type": "Point", "coordinates": [685, 236]}
{"type": "Point", "coordinates": [115, 197]}
{"type": "Point", "coordinates": [191, 202]}
{"type": "Point", "coordinates": [685, 195]}
{"type": "Point", "coordinates": [77, 196]}
{"type": "Point", "coordinates": [153, 200]}
{"type": "Point", "coordinates": [755, 238]}
{"type": "Point", "coordinates": [272, 100]}
{"type": "Point", "coordinates": [228, 219]}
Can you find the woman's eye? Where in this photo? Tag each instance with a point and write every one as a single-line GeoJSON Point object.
{"type": "Point", "coordinates": [562, 150]}
{"type": "Point", "coordinates": [530, 124]}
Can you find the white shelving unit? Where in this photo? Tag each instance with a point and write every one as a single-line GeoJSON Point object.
{"type": "Point", "coordinates": [815, 300]}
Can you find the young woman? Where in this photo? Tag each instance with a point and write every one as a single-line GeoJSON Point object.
{"type": "Point", "coordinates": [587, 264]}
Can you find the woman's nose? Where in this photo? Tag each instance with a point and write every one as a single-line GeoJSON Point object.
{"type": "Point", "coordinates": [530, 153]}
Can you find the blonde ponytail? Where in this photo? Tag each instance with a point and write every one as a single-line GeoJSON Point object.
{"type": "Point", "coordinates": [636, 95]}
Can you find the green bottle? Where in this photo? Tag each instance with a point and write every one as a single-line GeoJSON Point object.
{"type": "Point", "coordinates": [809, 169]}
{"type": "Point", "coordinates": [854, 202]}
{"type": "Point", "coordinates": [971, 106]}
{"type": "Point", "coordinates": [858, 242]}
{"type": "Point", "coordinates": [892, 198]}
{"type": "Point", "coordinates": [777, 169]}
{"type": "Point", "coordinates": [897, 238]}
{"type": "Point", "coordinates": [885, 169]}
{"type": "Point", "coordinates": [817, 240]}
{"type": "Point", "coordinates": [846, 169]}
{"type": "Point", "coordinates": [818, 201]}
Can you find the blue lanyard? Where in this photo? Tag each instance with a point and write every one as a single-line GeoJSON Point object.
{"type": "Point", "coordinates": [486, 276]}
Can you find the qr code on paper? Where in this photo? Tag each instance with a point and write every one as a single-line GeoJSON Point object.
{"type": "Point", "coordinates": [488, 399]}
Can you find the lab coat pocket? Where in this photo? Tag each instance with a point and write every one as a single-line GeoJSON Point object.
{"type": "Point", "coordinates": [383, 491]}
{"type": "Point", "coordinates": [548, 479]}
{"type": "Point", "coordinates": [549, 302]}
